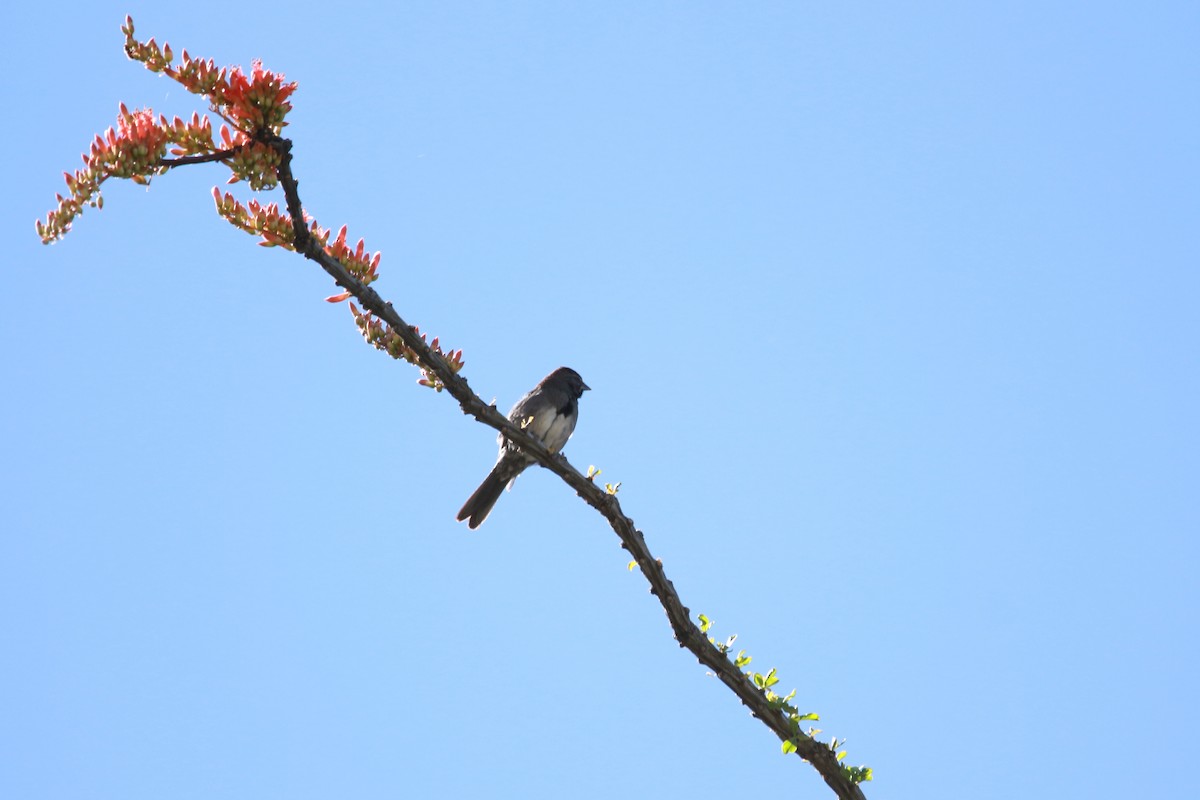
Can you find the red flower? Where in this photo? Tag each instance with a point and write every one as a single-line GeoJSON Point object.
{"type": "Point", "coordinates": [258, 101]}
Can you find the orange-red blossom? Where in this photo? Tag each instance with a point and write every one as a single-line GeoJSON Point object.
{"type": "Point", "coordinates": [254, 106]}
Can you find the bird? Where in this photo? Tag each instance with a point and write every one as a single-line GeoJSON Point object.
{"type": "Point", "coordinates": [548, 413]}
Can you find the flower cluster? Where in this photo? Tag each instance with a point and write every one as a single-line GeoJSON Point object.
{"type": "Point", "coordinates": [276, 229]}
{"type": "Point", "coordinates": [133, 150]}
{"type": "Point", "coordinates": [382, 337]}
{"type": "Point", "coordinates": [357, 262]}
{"type": "Point", "coordinates": [191, 138]}
{"type": "Point", "coordinates": [254, 103]}
{"type": "Point", "coordinates": [254, 106]}
{"type": "Point", "coordinates": [198, 76]}
{"type": "Point", "coordinates": [258, 102]}
{"type": "Point", "coordinates": [251, 161]}
{"type": "Point", "coordinates": [257, 219]}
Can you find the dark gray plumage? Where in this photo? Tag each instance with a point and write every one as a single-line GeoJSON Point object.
{"type": "Point", "coordinates": [549, 412]}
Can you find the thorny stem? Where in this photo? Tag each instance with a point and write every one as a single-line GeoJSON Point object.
{"type": "Point", "coordinates": [686, 632]}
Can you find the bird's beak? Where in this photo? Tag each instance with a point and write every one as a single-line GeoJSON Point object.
{"type": "Point", "coordinates": [586, 388]}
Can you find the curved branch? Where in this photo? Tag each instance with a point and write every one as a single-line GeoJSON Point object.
{"type": "Point", "coordinates": [687, 632]}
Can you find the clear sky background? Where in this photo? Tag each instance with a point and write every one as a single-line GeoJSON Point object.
{"type": "Point", "coordinates": [890, 314]}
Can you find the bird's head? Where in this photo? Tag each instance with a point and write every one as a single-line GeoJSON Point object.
{"type": "Point", "coordinates": [568, 379]}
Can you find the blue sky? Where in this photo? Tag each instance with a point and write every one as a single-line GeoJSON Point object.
{"type": "Point", "coordinates": [890, 315]}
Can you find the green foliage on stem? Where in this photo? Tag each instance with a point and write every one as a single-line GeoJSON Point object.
{"type": "Point", "coordinates": [783, 704]}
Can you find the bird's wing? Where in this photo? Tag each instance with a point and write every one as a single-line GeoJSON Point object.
{"type": "Point", "coordinates": [548, 413]}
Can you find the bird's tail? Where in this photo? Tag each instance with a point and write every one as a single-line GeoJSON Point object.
{"type": "Point", "coordinates": [480, 503]}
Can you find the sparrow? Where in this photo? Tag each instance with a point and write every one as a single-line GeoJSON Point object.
{"type": "Point", "coordinates": [548, 413]}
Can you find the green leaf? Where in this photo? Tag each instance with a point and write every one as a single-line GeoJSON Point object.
{"type": "Point", "coordinates": [809, 715]}
{"type": "Point", "coordinates": [857, 774]}
{"type": "Point", "coordinates": [631, 565]}
{"type": "Point", "coordinates": [705, 623]}
{"type": "Point", "coordinates": [788, 747]}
